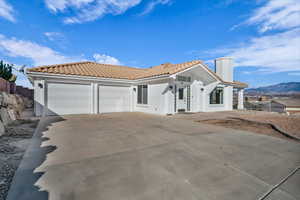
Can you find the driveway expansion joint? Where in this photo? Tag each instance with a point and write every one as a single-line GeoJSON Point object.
{"type": "Point", "coordinates": [279, 184]}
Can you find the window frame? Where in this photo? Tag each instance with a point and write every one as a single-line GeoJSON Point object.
{"type": "Point", "coordinates": [143, 91]}
{"type": "Point", "coordinates": [218, 99]}
{"type": "Point", "coordinates": [183, 78]}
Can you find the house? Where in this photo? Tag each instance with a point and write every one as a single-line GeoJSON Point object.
{"type": "Point", "coordinates": [289, 106]}
{"type": "Point", "coordinates": [92, 88]}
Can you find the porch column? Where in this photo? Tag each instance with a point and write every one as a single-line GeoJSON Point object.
{"type": "Point", "coordinates": [241, 99]}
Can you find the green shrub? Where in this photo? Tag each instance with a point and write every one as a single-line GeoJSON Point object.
{"type": "Point", "coordinates": [6, 72]}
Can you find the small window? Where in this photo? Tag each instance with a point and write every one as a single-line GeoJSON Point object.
{"type": "Point", "coordinates": [142, 96]}
{"type": "Point", "coordinates": [180, 95]}
{"type": "Point", "coordinates": [216, 96]}
{"type": "Point", "coordinates": [183, 78]}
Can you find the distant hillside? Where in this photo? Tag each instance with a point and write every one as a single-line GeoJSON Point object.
{"type": "Point", "coordinates": [281, 88]}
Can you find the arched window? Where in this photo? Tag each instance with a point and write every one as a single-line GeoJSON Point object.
{"type": "Point", "coordinates": [216, 96]}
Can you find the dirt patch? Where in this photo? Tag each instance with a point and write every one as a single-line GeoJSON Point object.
{"type": "Point", "coordinates": [13, 145]}
{"type": "Point", "coordinates": [255, 127]}
{"type": "Point", "coordinates": [289, 124]}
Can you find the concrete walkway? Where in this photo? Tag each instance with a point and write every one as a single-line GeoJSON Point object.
{"type": "Point", "coordinates": [133, 156]}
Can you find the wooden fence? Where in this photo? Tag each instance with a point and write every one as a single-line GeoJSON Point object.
{"type": "Point", "coordinates": [12, 88]}
{"type": "Point", "coordinates": [5, 86]}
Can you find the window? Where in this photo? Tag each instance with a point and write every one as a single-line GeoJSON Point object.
{"type": "Point", "coordinates": [216, 96]}
{"type": "Point", "coordinates": [142, 96]}
{"type": "Point", "coordinates": [180, 95]}
{"type": "Point", "coordinates": [183, 79]}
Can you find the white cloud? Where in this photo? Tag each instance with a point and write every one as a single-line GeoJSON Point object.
{"type": "Point", "coordinates": [52, 36]}
{"type": "Point", "coordinates": [274, 51]}
{"type": "Point", "coordinates": [105, 59]}
{"type": "Point", "coordinates": [6, 11]}
{"type": "Point", "coordinates": [90, 10]}
{"type": "Point", "coordinates": [276, 14]}
{"type": "Point", "coordinates": [60, 5]}
{"type": "Point", "coordinates": [278, 52]}
{"type": "Point", "coordinates": [246, 72]}
{"type": "Point", "coordinates": [42, 55]}
{"type": "Point", "coordinates": [152, 4]}
{"type": "Point", "coordinates": [38, 54]}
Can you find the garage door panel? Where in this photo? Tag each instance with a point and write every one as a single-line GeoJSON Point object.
{"type": "Point", "coordinates": [66, 99]}
{"type": "Point", "coordinates": [114, 99]}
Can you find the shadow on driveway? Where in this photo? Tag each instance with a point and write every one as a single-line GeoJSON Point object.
{"type": "Point", "coordinates": [23, 184]}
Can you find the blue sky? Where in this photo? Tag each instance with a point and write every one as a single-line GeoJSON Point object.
{"type": "Point", "coordinates": [263, 36]}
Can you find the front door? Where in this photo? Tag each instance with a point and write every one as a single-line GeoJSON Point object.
{"type": "Point", "coordinates": [182, 99]}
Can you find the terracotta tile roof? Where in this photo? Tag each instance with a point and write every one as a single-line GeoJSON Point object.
{"type": "Point", "coordinates": [93, 69]}
{"type": "Point", "coordinates": [113, 71]}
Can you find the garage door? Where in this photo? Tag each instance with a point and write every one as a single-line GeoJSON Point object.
{"type": "Point", "coordinates": [64, 99]}
{"type": "Point", "coordinates": [114, 99]}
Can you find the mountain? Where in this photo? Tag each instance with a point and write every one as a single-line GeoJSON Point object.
{"type": "Point", "coordinates": [281, 88]}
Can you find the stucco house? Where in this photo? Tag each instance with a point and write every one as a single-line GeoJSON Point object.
{"type": "Point", "coordinates": [92, 88]}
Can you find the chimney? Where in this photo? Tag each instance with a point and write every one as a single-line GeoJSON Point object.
{"type": "Point", "coordinates": [224, 68]}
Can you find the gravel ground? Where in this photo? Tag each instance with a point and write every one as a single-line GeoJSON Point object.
{"type": "Point", "coordinates": [13, 145]}
{"type": "Point", "coordinates": [289, 124]}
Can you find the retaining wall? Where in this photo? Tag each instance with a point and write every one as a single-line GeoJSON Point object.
{"type": "Point", "coordinates": [11, 107]}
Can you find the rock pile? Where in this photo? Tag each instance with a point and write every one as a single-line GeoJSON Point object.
{"type": "Point", "coordinates": [11, 107]}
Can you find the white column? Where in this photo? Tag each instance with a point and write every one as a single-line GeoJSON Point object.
{"type": "Point", "coordinates": [132, 92]}
{"type": "Point", "coordinates": [169, 99]}
{"type": "Point", "coordinates": [39, 97]}
{"type": "Point", "coordinates": [241, 99]}
{"type": "Point", "coordinates": [95, 99]}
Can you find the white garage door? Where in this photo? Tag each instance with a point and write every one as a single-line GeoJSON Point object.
{"type": "Point", "coordinates": [114, 99]}
{"type": "Point", "coordinates": [64, 99]}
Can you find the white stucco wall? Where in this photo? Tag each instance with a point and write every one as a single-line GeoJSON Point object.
{"type": "Point", "coordinates": [161, 97]}
{"type": "Point", "coordinates": [39, 97]}
{"type": "Point", "coordinates": [227, 101]}
{"type": "Point", "coordinates": [200, 98]}
{"type": "Point", "coordinates": [158, 94]}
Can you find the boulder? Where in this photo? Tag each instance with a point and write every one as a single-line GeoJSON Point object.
{"type": "Point", "coordinates": [4, 99]}
{"type": "Point", "coordinates": [12, 114]}
{"type": "Point", "coordinates": [28, 103]}
{"type": "Point", "coordinates": [5, 118]}
{"type": "Point", "coordinates": [20, 101]}
{"type": "Point", "coordinates": [2, 129]}
{"type": "Point", "coordinates": [1, 99]}
{"type": "Point", "coordinates": [12, 105]}
{"type": "Point", "coordinates": [16, 105]}
{"type": "Point", "coordinates": [13, 102]}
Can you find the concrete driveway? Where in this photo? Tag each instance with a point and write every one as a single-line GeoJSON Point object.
{"type": "Point", "coordinates": [133, 156]}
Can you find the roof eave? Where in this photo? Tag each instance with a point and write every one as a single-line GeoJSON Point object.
{"type": "Point", "coordinates": [236, 85]}
{"type": "Point", "coordinates": [32, 75]}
